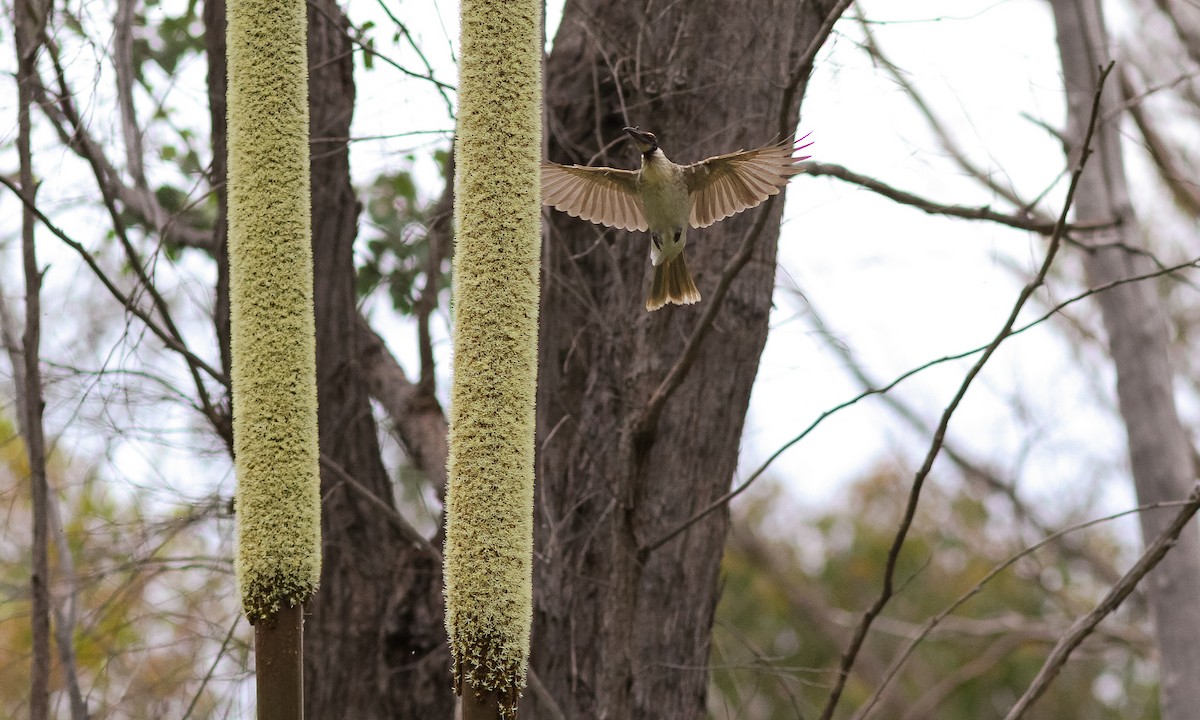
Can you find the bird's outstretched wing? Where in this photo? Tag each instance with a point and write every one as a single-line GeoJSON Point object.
{"type": "Point", "coordinates": [725, 185]}
{"type": "Point", "coordinates": [602, 195]}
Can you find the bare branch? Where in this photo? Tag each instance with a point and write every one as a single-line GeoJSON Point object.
{"type": "Point", "coordinates": [414, 410]}
{"type": "Point", "coordinates": [440, 241]}
{"type": "Point", "coordinates": [1084, 626]}
{"type": "Point", "coordinates": [212, 668]}
{"type": "Point", "coordinates": [960, 157]}
{"type": "Point", "coordinates": [910, 510]}
{"type": "Point", "coordinates": [66, 613]}
{"type": "Point", "coordinates": [123, 64]}
{"type": "Point", "coordinates": [865, 710]}
{"type": "Point", "coordinates": [26, 23]}
{"type": "Point", "coordinates": [544, 697]}
{"type": "Point", "coordinates": [926, 705]}
{"type": "Point", "coordinates": [1182, 187]}
{"type": "Point", "coordinates": [127, 301]}
{"type": "Point", "coordinates": [1018, 221]}
{"type": "Point", "coordinates": [972, 470]}
{"type": "Point", "coordinates": [95, 158]}
{"type": "Point", "coordinates": [74, 135]}
{"type": "Point", "coordinates": [440, 86]}
{"type": "Point", "coordinates": [407, 531]}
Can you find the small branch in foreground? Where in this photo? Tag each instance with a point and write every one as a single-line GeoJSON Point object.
{"type": "Point", "coordinates": [645, 421]}
{"type": "Point", "coordinates": [1084, 626]}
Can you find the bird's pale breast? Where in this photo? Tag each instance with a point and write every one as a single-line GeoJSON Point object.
{"type": "Point", "coordinates": [665, 198]}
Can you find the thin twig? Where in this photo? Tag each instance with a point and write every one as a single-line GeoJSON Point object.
{"type": "Point", "coordinates": [544, 697]}
{"type": "Point", "coordinates": [143, 204]}
{"type": "Point", "coordinates": [971, 469]}
{"type": "Point", "coordinates": [127, 301]}
{"type": "Point", "coordinates": [933, 622]}
{"type": "Point", "coordinates": [440, 86]}
{"type": "Point", "coordinates": [935, 124]}
{"type": "Point", "coordinates": [66, 614]}
{"type": "Point", "coordinates": [644, 422]}
{"type": "Point", "coordinates": [212, 669]}
{"type": "Point", "coordinates": [398, 521]}
{"type": "Point", "coordinates": [1084, 626]}
{"type": "Point", "coordinates": [1182, 188]}
{"type": "Point", "coordinates": [98, 163]}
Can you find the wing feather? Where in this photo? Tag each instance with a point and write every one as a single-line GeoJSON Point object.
{"type": "Point", "coordinates": [606, 196]}
{"type": "Point", "coordinates": [725, 185]}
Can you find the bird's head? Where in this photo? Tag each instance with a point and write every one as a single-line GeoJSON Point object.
{"type": "Point", "coordinates": [645, 141]}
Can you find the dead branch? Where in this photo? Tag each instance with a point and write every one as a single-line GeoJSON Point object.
{"type": "Point", "coordinates": [1028, 222]}
{"type": "Point", "coordinates": [902, 657]}
{"type": "Point", "coordinates": [1084, 626]}
{"type": "Point", "coordinates": [415, 411]}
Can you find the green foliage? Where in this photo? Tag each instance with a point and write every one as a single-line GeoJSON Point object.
{"type": "Point", "coordinates": [789, 605]}
{"type": "Point", "coordinates": [396, 252]}
{"type": "Point", "coordinates": [166, 39]}
{"type": "Point", "coordinates": [362, 33]}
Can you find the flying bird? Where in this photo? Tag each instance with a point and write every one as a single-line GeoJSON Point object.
{"type": "Point", "coordinates": [666, 199]}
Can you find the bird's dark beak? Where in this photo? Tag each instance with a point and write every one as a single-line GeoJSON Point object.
{"type": "Point", "coordinates": [646, 142]}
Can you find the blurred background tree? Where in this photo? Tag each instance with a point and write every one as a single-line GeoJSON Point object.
{"type": "Point", "coordinates": [789, 601]}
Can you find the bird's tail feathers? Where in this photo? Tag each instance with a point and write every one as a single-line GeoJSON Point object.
{"type": "Point", "coordinates": [672, 284]}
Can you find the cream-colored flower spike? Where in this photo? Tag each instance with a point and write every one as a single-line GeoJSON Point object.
{"type": "Point", "coordinates": [667, 199]}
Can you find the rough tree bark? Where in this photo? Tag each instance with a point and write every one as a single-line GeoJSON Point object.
{"type": "Point", "coordinates": [374, 639]}
{"type": "Point", "coordinates": [1159, 449]}
{"type": "Point", "coordinates": [619, 632]}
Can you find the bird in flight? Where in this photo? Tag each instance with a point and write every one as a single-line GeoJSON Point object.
{"type": "Point", "coordinates": [667, 199]}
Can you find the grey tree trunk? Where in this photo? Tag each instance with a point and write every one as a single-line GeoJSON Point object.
{"type": "Point", "coordinates": [621, 632]}
{"type": "Point", "coordinates": [375, 645]}
{"type": "Point", "coordinates": [1136, 325]}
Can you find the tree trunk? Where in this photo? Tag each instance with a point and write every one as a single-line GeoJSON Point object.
{"type": "Point", "coordinates": [620, 632]}
{"type": "Point", "coordinates": [374, 638]}
{"type": "Point", "coordinates": [375, 641]}
{"type": "Point", "coordinates": [1159, 450]}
